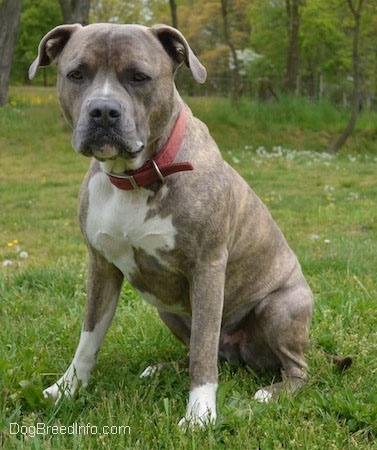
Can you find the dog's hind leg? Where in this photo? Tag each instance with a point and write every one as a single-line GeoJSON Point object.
{"type": "Point", "coordinates": [284, 319]}
{"type": "Point", "coordinates": [103, 289]}
{"type": "Point", "coordinates": [275, 335]}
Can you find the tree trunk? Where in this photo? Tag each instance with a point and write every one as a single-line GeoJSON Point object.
{"type": "Point", "coordinates": [174, 15]}
{"type": "Point", "coordinates": [293, 28]}
{"type": "Point", "coordinates": [356, 98]}
{"type": "Point", "coordinates": [10, 14]}
{"type": "Point", "coordinates": [75, 11]}
{"type": "Point", "coordinates": [235, 79]}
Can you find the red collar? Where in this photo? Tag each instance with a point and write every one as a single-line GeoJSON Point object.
{"type": "Point", "coordinates": [161, 165]}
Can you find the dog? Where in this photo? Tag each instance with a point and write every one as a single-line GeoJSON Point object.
{"type": "Point", "coordinates": [160, 207]}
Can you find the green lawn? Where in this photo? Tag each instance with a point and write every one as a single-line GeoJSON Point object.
{"type": "Point", "coordinates": [326, 206]}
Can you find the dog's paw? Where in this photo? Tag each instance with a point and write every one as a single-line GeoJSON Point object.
{"type": "Point", "coordinates": [201, 408]}
{"type": "Point", "coordinates": [66, 386]}
{"type": "Point", "coordinates": [150, 371]}
{"type": "Point", "coordinates": [263, 396]}
{"type": "Point", "coordinates": [195, 421]}
{"type": "Point", "coordinates": [55, 392]}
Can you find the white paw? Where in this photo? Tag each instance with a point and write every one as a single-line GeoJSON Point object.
{"type": "Point", "coordinates": [56, 391]}
{"type": "Point", "coordinates": [201, 408]}
{"type": "Point", "coordinates": [198, 421]}
{"type": "Point", "coordinates": [150, 371]}
{"type": "Point", "coordinates": [263, 396]}
{"type": "Point", "coordinates": [66, 385]}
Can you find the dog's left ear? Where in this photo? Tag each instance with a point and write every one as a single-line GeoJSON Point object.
{"type": "Point", "coordinates": [178, 49]}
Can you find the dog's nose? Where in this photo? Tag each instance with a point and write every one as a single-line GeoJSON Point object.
{"type": "Point", "coordinates": [104, 112]}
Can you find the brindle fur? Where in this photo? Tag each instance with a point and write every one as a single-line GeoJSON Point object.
{"type": "Point", "coordinates": [231, 288]}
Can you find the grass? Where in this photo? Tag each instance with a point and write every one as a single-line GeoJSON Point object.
{"type": "Point", "coordinates": [291, 123]}
{"type": "Point", "coordinates": [326, 206]}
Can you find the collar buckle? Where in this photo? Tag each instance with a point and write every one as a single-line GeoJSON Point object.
{"type": "Point", "coordinates": [158, 171]}
{"type": "Point", "coordinates": [129, 178]}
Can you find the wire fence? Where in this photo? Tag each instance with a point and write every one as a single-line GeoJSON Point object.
{"type": "Point", "coordinates": [225, 85]}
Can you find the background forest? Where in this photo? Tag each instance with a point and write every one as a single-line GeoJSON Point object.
{"type": "Point", "coordinates": [256, 48]}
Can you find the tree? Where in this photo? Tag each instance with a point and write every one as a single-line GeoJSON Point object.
{"type": "Point", "coordinates": [213, 29]}
{"type": "Point", "coordinates": [293, 28]}
{"type": "Point", "coordinates": [324, 63]}
{"type": "Point", "coordinates": [234, 87]}
{"type": "Point", "coordinates": [355, 8]}
{"type": "Point", "coordinates": [75, 11]}
{"type": "Point", "coordinates": [174, 15]}
{"type": "Point", "coordinates": [305, 41]}
{"type": "Point", "coordinates": [124, 11]}
{"type": "Point", "coordinates": [35, 23]}
{"type": "Point", "coordinates": [368, 54]}
{"type": "Point", "coordinates": [268, 38]}
{"type": "Point", "coordinates": [10, 14]}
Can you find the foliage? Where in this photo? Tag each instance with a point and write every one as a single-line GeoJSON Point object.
{"type": "Point", "coordinates": [324, 203]}
{"type": "Point", "coordinates": [269, 39]}
{"type": "Point", "coordinates": [35, 23]}
{"type": "Point", "coordinates": [323, 44]}
{"type": "Point", "coordinates": [123, 11]}
{"type": "Point", "coordinates": [258, 27]}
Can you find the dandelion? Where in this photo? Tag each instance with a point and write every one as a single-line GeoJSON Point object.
{"type": "Point", "coordinates": [327, 241]}
{"type": "Point", "coordinates": [7, 263]}
{"type": "Point", "coordinates": [24, 255]}
{"type": "Point", "coordinates": [37, 100]}
{"type": "Point", "coordinates": [353, 196]}
{"type": "Point", "coordinates": [14, 245]}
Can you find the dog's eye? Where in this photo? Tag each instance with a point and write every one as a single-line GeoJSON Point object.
{"type": "Point", "coordinates": [75, 75]}
{"type": "Point", "coordinates": [138, 77]}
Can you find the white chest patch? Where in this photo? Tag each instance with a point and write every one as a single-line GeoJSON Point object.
{"type": "Point", "coordinates": [116, 223]}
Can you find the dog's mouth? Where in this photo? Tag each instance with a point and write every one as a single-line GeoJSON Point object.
{"type": "Point", "coordinates": [111, 152]}
{"type": "Point", "coordinates": [110, 147]}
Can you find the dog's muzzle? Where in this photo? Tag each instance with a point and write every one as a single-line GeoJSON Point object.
{"type": "Point", "coordinates": [103, 134]}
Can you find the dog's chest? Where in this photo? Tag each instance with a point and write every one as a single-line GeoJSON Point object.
{"type": "Point", "coordinates": [120, 222]}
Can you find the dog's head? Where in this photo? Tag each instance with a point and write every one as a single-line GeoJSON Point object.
{"type": "Point", "coordinates": [116, 85]}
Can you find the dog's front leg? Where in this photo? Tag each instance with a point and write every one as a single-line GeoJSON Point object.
{"type": "Point", "coordinates": [207, 297]}
{"type": "Point", "coordinates": [103, 289]}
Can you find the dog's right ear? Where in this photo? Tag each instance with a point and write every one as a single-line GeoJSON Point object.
{"type": "Point", "coordinates": [52, 45]}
